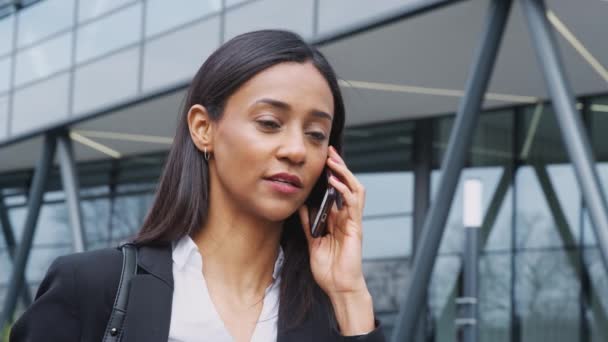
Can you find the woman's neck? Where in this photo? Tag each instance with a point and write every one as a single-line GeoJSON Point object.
{"type": "Point", "coordinates": [238, 251]}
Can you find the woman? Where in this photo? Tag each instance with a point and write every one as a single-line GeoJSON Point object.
{"type": "Point", "coordinates": [226, 252]}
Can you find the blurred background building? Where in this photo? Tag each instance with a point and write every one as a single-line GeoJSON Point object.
{"type": "Point", "coordinates": [111, 76]}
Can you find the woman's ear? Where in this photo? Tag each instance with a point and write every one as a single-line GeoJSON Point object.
{"type": "Point", "coordinates": [201, 128]}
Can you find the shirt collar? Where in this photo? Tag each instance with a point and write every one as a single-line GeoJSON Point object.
{"type": "Point", "coordinates": [186, 253]}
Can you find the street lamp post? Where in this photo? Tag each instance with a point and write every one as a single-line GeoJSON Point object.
{"type": "Point", "coordinates": [472, 220]}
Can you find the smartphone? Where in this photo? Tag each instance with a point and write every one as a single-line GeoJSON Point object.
{"type": "Point", "coordinates": [319, 222]}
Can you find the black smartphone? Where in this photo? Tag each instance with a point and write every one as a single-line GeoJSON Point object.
{"type": "Point", "coordinates": [319, 221]}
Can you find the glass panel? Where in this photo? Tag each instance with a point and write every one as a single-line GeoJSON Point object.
{"type": "Point", "coordinates": [51, 95]}
{"type": "Point", "coordinates": [332, 13]}
{"type": "Point", "coordinates": [162, 15]}
{"type": "Point", "coordinates": [3, 116]}
{"type": "Point", "coordinates": [5, 73]}
{"type": "Point", "coordinates": [40, 260]}
{"type": "Point", "coordinates": [7, 25]}
{"type": "Point", "coordinates": [442, 294]}
{"type": "Point", "coordinates": [106, 81]}
{"type": "Point", "coordinates": [494, 297]}
{"type": "Point", "coordinates": [165, 60]}
{"type": "Point", "coordinates": [53, 226]}
{"type": "Point", "coordinates": [43, 19]}
{"type": "Point", "coordinates": [599, 125]}
{"type": "Point", "coordinates": [43, 59]}
{"type": "Point", "coordinates": [597, 309]}
{"type": "Point", "coordinates": [110, 33]}
{"type": "Point", "coordinates": [379, 148]}
{"type": "Point", "coordinates": [296, 16]}
{"type": "Point", "coordinates": [547, 296]}
{"type": "Point", "coordinates": [89, 9]}
{"type": "Point", "coordinates": [536, 225]}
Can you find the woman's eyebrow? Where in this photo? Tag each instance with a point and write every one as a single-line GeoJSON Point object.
{"type": "Point", "coordinates": [286, 107]}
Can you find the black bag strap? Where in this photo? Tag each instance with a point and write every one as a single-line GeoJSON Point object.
{"type": "Point", "coordinates": [114, 327]}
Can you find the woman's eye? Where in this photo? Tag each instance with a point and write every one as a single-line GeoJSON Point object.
{"type": "Point", "coordinates": [319, 136]}
{"type": "Point", "coordinates": [269, 124]}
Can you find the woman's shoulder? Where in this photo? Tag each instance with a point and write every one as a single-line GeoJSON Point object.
{"type": "Point", "coordinates": [94, 262]}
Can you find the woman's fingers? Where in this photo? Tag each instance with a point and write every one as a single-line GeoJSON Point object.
{"type": "Point", "coordinates": [339, 167]}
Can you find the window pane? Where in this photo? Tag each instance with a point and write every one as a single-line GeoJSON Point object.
{"type": "Point", "coordinates": [5, 73]}
{"type": "Point", "coordinates": [43, 19]}
{"type": "Point", "coordinates": [6, 32]}
{"type": "Point", "coordinates": [495, 297]}
{"type": "Point", "coordinates": [387, 216]}
{"type": "Point", "coordinates": [296, 16]}
{"type": "Point", "coordinates": [548, 296]}
{"type": "Point", "coordinates": [50, 95]}
{"type": "Point", "coordinates": [162, 15]}
{"type": "Point", "coordinates": [332, 13]}
{"type": "Point", "coordinates": [43, 59]}
{"type": "Point", "coordinates": [173, 58]}
{"type": "Point", "coordinates": [106, 81]}
{"type": "Point", "coordinates": [89, 9]}
{"type": "Point", "coordinates": [3, 116]}
{"type": "Point", "coordinates": [107, 34]}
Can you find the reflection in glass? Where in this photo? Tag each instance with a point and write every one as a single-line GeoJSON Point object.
{"type": "Point", "coordinates": [106, 81]}
{"type": "Point", "coordinates": [332, 13]}
{"type": "Point", "coordinates": [89, 9]}
{"type": "Point", "coordinates": [494, 297]}
{"type": "Point", "coordinates": [173, 57]}
{"type": "Point", "coordinates": [44, 59]}
{"type": "Point", "coordinates": [44, 19]}
{"type": "Point", "coordinates": [162, 15]}
{"type": "Point", "coordinates": [548, 296]}
{"type": "Point", "coordinates": [271, 14]}
{"type": "Point", "coordinates": [7, 25]}
{"type": "Point", "coordinates": [108, 34]}
{"type": "Point", "coordinates": [5, 73]}
{"type": "Point", "coordinates": [51, 95]}
{"type": "Point", "coordinates": [3, 116]}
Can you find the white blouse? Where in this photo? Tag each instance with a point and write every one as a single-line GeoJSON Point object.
{"type": "Point", "coordinates": [193, 315]}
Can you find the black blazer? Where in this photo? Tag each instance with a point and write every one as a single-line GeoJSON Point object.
{"type": "Point", "coordinates": [75, 299]}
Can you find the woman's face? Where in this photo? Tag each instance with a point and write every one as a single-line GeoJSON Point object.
{"type": "Point", "coordinates": [270, 146]}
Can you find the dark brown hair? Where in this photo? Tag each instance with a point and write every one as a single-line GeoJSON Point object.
{"type": "Point", "coordinates": [181, 203]}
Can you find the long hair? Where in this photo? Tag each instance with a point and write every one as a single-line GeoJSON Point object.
{"type": "Point", "coordinates": [181, 203]}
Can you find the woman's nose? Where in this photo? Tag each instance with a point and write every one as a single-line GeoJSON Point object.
{"type": "Point", "coordinates": [293, 148]}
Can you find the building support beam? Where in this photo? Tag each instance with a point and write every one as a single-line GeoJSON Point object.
{"type": "Point", "coordinates": [71, 188]}
{"type": "Point", "coordinates": [11, 245]}
{"type": "Point", "coordinates": [569, 121]}
{"type": "Point", "coordinates": [423, 166]}
{"type": "Point", "coordinates": [454, 160]}
{"type": "Point", "coordinates": [16, 280]}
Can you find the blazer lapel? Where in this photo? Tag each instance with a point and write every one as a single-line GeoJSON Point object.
{"type": "Point", "coordinates": [150, 297]}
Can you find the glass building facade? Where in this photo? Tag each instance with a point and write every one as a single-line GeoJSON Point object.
{"type": "Point", "coordinates": [541, 273]}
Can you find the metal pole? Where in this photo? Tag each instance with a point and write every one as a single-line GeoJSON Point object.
{"type": "Point", "coordinates": [569, 120]}
{"type": "Point", "coordinates": [34, 203]}
{"type": "Point", "coordinates": [458, 146]}
{"type": "Point", "coordinates": [11, 245]}
{"type": "Point", "coordinates": [423, 166]}
{"type": "Point", "coordinates": [71, 189]}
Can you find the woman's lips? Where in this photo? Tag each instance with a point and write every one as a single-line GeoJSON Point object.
{"type": "Point", "coordinates": [282, 187]}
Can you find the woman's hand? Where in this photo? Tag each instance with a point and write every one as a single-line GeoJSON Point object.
{"type": "Point", "coordinates": [335, 259]}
